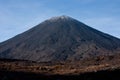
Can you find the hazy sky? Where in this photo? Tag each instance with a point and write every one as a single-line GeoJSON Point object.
{"type": "Point", "coordinates": [17, 16]}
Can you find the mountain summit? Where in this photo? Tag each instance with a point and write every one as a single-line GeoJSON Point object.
{"type": "Point", "coordinates": [59, 39]}
{"type": "Point", "coordinates": [63, 17]}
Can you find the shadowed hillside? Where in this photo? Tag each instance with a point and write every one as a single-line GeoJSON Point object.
{"type": "Point", "coordinates": [100, 75]}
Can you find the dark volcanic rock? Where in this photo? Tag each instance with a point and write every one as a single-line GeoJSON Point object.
{"type": "Point", "coordinates": [59, 39]}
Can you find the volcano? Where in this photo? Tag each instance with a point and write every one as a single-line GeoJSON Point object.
{"type": "Point", "coordinates": [60, 39]}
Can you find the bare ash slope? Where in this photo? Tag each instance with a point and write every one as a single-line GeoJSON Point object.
{"type": "Point", "coordinates": [60, 39]}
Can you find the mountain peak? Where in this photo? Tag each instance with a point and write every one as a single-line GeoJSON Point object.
{"type": "Point", "coordinates": [63, 17]}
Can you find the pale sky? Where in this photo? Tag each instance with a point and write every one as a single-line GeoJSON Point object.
{"type": "Point", "coordinates": [17, 16]}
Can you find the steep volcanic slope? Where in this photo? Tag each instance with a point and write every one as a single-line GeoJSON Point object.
{"type": "Point", "coordinates": [59, 38]}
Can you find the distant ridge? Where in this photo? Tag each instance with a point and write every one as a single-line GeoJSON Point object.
{"type": "Point", "coordinates": [60, 38]}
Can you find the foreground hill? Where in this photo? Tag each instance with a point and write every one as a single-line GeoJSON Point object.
{"type": "Point", "coordinates": [82, 70]}
{"type": "Point", "coordinates": [60, 39]}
